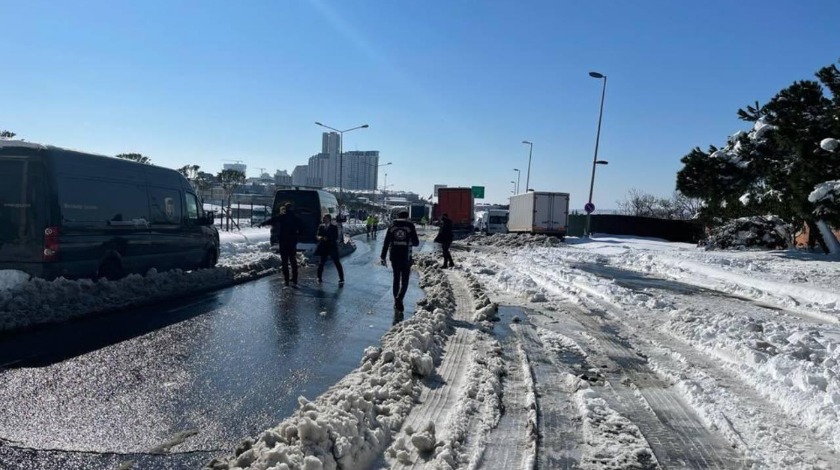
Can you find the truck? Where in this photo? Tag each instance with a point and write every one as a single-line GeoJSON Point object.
{"type": "Point", "coordinates": [539, 212]}
{"type": "Point", "coordinates": [417, 211]}
{"type": "Point", "coordinates": [458, 204]}
{"type": "Point", "coordinates": [492, 221]}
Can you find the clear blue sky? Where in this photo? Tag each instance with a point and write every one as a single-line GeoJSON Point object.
{"type": "Point", "coordinates": [449, 88]}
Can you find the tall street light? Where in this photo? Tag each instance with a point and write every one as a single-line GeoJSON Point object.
{"type": "Point", "coordinates": [595, 161]}
{"type": "Point", "coordinates": [514, 187]}
{"type": "Point", "coordinates": [518, 174]}
{"type": "Point", "coordinates": [377, 174]}
{"type": "Point", "coordinates": [528, 175]}
{"type": "Point", "coordinates": [341, 158]}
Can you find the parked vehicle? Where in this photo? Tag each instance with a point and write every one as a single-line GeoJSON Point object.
{"type": "Point", "coordinates": [418, 211]}
{"type": "Point", "coordinates": [458, 203]}
{"type": "Point", "coordinates": [493, 221]}
{"type": "Point", "coordinates": [311, 205]}
{"type": "Point", "coordinates": [71, 214]}
{"type": "Point", "coordinates": [539, 212]}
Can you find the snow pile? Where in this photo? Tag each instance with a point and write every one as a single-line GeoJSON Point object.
{"type": "Point", "coordinates": [612, 440]}
{"type": "Point", "coordinates": [511, 240]}
{"type": "Point", "coordinates": [829, 144]}
{"type": "Point", "coordinates": [486, 311]}
{"type": "Point", "coordinates": [37, 301]}
{"type": "Point", "coordinates": [828, 191]}
{"type": "Point", "coordinates": [351, 424]}
{"type": "Point", "coordinates": [12, 278]}
{"type": "Point", "coordinates": [768, 232]}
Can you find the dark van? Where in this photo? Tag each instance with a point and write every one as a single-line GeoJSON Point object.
{"type": "Point", "coordinates": [310, 205]}
{"type": "Point", "coordinates": [71, 214]}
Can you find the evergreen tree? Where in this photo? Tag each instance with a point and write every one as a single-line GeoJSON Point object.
{"type": "Point", "coordinates": [776, 166]}
{"type": "Point", "coordinates": [136, 157]}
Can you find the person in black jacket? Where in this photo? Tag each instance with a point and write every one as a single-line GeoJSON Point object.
{"type": "Point", "coordinates": [328, 248]}
{"type": "Point", "coordinates": [445, 237]}
{"type": "Point", "coordinates": [399, 238]}
{"type": "Point", "coordinates": [286, 226]}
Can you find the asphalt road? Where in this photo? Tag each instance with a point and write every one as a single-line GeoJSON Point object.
{"type": "Point", "coordinates": [177, 384]}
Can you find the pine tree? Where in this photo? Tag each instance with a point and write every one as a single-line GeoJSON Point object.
{"type": "Point", "coordinates": [136, 157]}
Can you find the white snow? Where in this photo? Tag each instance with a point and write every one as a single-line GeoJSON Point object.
{"type": "Point", "coordinates": [829, 144]}
{"type": "Point", "coordinates": [750, 340]}
{"type": "Point", "coordinates": [11, 279]}
{"type": "Point", "coordinates": [826, 191]}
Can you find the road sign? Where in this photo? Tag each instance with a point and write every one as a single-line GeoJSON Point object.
{"type": "Point", "coordinates": [589, 208]}
{"type": "Point", "coordinates": [478, 192]}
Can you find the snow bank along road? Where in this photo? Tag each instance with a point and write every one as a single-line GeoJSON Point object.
{"type": "Point", "coordinates": [610, 353]}
{"type": "Point", "coordinates": [615, 353]}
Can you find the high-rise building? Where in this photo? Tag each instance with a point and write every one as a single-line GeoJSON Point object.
{"type": "Point", "coordinates": [330, 146]}
{"type": "Point", "coordinates": [282, 178]}
{"type": "Point", "coordinates": [299, 175]}
{"type": "Point", "coordinates": [318, 173]}
{"type": "Point", "coordinates": [361, 169]}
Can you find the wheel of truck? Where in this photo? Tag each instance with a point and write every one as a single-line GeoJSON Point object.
{"type": "Point", "coordinates": [110, 269]}
{"type": "Point", "coordinates": [209, 260]}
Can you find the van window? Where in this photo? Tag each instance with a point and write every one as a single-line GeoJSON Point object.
{"type": "Point", "coordinates": [21, 202]}
{"type": "Point", "coordinates": [86, 202]}
{"type": "Point", "coordinates": [193, 209]}
{"type": "Point", "coordinates": [165, 206]}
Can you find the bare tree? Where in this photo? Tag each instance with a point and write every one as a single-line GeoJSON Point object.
{"type": "Point", "coordinates": [4, 134]}
{"type": "Point", "coordinates": [641, 204]}
{"type": "Point", "coordinates": [230, 180]}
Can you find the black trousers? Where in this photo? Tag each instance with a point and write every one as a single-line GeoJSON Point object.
{"type": "Point", "coordinates": [402, 270]}
{"type": "Point", "coordinates": [447, 256]}
{"type": "Point", "coordinates": [332, 254]}
{"type": "Point", "coordinates": [288, 255]}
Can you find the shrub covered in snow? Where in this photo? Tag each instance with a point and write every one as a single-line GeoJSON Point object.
{"type": "Point", "coordinates": [768, 232]}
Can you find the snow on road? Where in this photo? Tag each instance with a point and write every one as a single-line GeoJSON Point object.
{"type": "Point", "coordinates": [606, 353]}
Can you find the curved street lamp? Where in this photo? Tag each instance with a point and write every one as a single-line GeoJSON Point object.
{"type": "Point", "coordinates": [518, 174]}
{"type": "Point", "coordinates": [528, 175]}
{"type": "Point", "coordinates": [341, 158]}
{"type": "Point", "coordinates": [595, 161]}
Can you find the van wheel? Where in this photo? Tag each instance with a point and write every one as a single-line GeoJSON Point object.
{"type": "Point", "coordinates": [110, 269]}
{"type": "Point", "coordinates": [209, 261]}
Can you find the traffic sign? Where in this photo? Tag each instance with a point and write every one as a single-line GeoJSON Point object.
{"type": "Point", "coordinates": [478, 192]}
{"type": "Point", "coordinates": [589, 208]}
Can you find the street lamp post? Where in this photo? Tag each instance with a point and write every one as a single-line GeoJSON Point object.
{"type": "Point", "coordinates": [518, 174]}
{"type": "Point", "coordinates": [595, 161]}
{"type": "Point", "coordinates": [377, 173]}
{"type": "Point", "coordinates": [514, 187]}
{"type": "Point", "coordinates": [528, 175]}
{"type": "Point", "coordinates": [341, 158]}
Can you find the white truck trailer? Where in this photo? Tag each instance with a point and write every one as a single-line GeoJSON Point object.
{"type": "Point", "coordinates": [539, 212]}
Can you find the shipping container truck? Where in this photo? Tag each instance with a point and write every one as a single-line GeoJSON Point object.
{"type": "Point", "coordinates": [458, 203]}
{"type": "Point", "coordinates": [539, 212]}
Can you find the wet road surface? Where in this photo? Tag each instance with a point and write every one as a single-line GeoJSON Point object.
{"type": "Point", "coordinates": [175, 385]}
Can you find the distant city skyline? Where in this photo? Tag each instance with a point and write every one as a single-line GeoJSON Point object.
{"type": "Point", "coordinates": [449, 89]}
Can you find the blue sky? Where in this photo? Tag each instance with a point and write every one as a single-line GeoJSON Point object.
{"type": "Point", "coordinates": [449, 88]}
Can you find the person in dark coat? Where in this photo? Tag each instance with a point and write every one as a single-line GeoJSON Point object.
{"type": "Point", "coordinates": [400, 237]}
{"type": "Point", "coordinates": [286, 227]}
{"type": "Point", "coordinates": [328, 247]}
{"type": "Point", "coordinates": [445, 237]}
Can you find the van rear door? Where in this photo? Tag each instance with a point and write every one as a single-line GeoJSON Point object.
{"type": "Point", "coordinates": [22, 213]}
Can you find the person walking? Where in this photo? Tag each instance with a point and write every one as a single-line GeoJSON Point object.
{"type": "Point", "coordinates": [369, 224]}
{"type": "Point", "coordinates": [375, 225]}
{"type": "Point", "coordinates": [328, 248]}
{"type": "Point", "coordinates": [286, 226]}
{"type": "Point", "coordinates": [445, 237]}
{"type": "Point", "coordinates": [400, 237]}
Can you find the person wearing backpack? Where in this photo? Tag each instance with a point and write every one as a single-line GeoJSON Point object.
{"type": "Point", "coordinates": [400, 237]}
